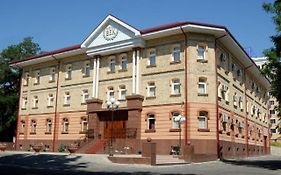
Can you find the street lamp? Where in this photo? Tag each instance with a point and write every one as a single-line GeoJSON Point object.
{"type": "Point", "coordinates": [112, 105]}
{"type": "Point", "coordinates": [179, 119]}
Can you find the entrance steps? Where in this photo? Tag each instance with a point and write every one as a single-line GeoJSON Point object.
{"type": "Point", "coordinates": [169, 160]}
{"type": "Point", "coordinates": [93, 147]}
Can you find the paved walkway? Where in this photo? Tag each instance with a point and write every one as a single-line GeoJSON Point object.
{"type": "Point", "coordinates": [83, 164]}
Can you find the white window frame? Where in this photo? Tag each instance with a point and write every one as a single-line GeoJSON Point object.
{"type": "Point", "coordinates": [110, 93]}
{"type": "Point", "coordinates": [122, 89]}
{"type": "Point", "coordinates": [204, 84]}
{"type": "Point", "coordinates": [37, 77]}
{"type": "Point", "coordinates": [65, 125]}
{"type": "Point", "coordinates": [84, 124]}
{"type": "Point", "coordinates": [205, 118]}
{"type": "Point", "coordinates": [175, 124]}
{"type": "Point", "coordinates": [176, 50]}
{"type": "Point", "coordinates": [151, 55]}
{"type": "Point", "coordinates": [201, 46]}
{"type": "Point", "coordinates": [123, 62]}
{"type": "Point", "coordinates": [68, 72]}
{"type": "Point", "coordinates": [240, 102]}
{"type": "Point", "coordinates": [149, 117]}
{"type": "Point", "coordinates": [50, 100]}
{"type": "Point", "coordinates": [48, 125]}
{"type": "Point", "coordinates": [224, 92]}
{"type": "Point", "coordinates": [26, 78]}
{"type": "Point", "coordinates": [52, 74]}
{"type": "Point", "coordinates": [174, 85]}
{"type": "Point", "coordinates": [111, 64]}
{"type": "Point", "coordinates": [35, 101]}
{"type": "Point", "coordinates": [150, 86]}
{"type": "Point", "coordinates": [87, 69]}
{"type": "Point", "coordinates": [24, 103]}
{"type": "Point", "coordinates": [235, 96]}
{"type": "Point", "coordinates": [85, 95]}
{"type": "Point", "coordinates": [67, 98]}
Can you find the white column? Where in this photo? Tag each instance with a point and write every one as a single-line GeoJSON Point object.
{"type": "Point", "coordinates": [138, 72]}
{"type": "Point", "coordinates": [134, 73]}
{"type": "Point", "coordinates": [94, 78]}
{"type": "Point", "coordinates": [97, 78]}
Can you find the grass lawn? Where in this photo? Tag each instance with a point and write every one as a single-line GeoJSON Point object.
{"type": "Point", "coordinates": [277, 144]}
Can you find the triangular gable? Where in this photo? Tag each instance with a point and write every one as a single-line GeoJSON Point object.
{"type": "Point", "coordinates": [111, 30]}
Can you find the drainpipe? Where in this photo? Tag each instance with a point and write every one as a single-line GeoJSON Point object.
{"type": "Point", "coordinates": [56, 104]}
{"type": "Point", "coordinates": [185, 87]}
{"type": "Point", "coordinates": [246, 123]}
{"type": "Point", "coordinates": [217, 104]}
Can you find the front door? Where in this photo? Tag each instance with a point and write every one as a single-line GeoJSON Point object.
{"type": "Point", "coordinates": [115, 129]}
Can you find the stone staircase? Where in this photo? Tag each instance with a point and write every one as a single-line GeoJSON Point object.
{"type": "Point", "coordinates": [168, 160]}
{"type": "Point", "coordinates": [93, 146]}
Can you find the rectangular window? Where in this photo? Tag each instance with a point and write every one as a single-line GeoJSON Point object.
{"type": "Point", "coordinates": [52, 74]}
{"type": "Point", "coordinates": [87, 69]}
{"type": "Point", "coordinates": [152, 58]}
{"type": "Point", "coordinates": [50, 100]}
{"type": "Point", "coordinates": [112, 65]}
{"type": "Point", "coordinates": [272, 121]}
{"type": "Point", "coordinates": [202, 119]}
{"type": "Point", "coordinates": [151, 122]}
{"type": "Point", "coordinates": [273, 131]}
{"type": "Point", "coordinates": [66, 98]}
{"type": "Point", "coordinates": [201, 53]}
{"type": "Point", "coordinates": [24, 103]}
{"type": "Point", "coordinates": [85, 96]}
{"type": "Point", "coordinates": [35, 102]}
{"type": "Point", "coordinates": [202, 86]}
{"type": "Point", "coordinates": [110, 93]}
{"type": "Point", "coordinates": [271, 102]}
{"type": "Point", "coordinates": [151, 89]}
{"type": "Point", "coordinates": [26, 79]}
{"type": "Point", "coordinates": [176, 54]}
{"type": "Point", "coordinates": [37, 77]}
{"type": "Point", "coordinates": [68, 71]}
{"type": "Point", "coordinates": [123, 63]}
{"type": "Point", "coordinates": [122, 92]}
{"type": "Point", "coordinates": [48, 126]}
{"type": "Point", "coordinates": [175, 87]}
{"type": "Point", "coordinates": [272, 111]}
{"type": "Point", "coordinates": [175, 124]}
{"type": "Point", "coordinates": [84, 124]}
{"type": "Point", "coordinates": [22, 128]}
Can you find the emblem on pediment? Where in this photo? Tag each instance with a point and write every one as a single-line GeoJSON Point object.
{"type": "Point", "coordinates": [110, 33]}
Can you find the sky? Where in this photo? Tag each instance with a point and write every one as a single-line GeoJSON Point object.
{"type": "Point", "coordinates": [55, 24]}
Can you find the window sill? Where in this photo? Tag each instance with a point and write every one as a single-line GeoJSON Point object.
{"type": "Point", "coordinates": [202, 60]}
{"type": "Point", "coordinates": [34, 108]}
{"type": "Point", "coordinates": [50, 106]}
{"type": "Point", "coordinates": [152, 97]}
{"type": "Point", "coordinates": [51, 81]}
{"type": "Point", "coordinates": [32, 133]}
{"type": "Point", "coordinates": [175, 95]}
{"type": "Point", "coordinates": [150, 130]}
{"type": "Point", "coordinates": [175, 62]}
{"type": "Point", "coordinates": [203, 130]}
{"type": "Point", "coordinates": [64, 132]}
{"type": "Point", "coordinates": [65, 105]}
{"type": "Point", "coordinates": [83, 132]}
{"type": "Point", "coordinates": [174, 130]}
{"type": "Point", "coordinates": [150, 66]}
{"type": "Point", "coordinates": [67, 78]}
{"type": "Point", "coordinates": [123, 70]}
{"type": "Point", "coordinates": [86, 76]}
{"type": "Point", "coordinates": [110, 72]}
{"type": "Point", "coordinates": [202, 95]}
{"type": "Point", "coordinates": [48, 133]}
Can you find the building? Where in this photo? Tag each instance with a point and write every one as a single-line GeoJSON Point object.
{"type": "Point", "coordinates": [272, 102]}
{"type": "Point", "coordinates": [191, 69]}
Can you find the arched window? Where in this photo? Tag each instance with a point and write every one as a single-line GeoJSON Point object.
{"type": "Point", "coordinates": [111, 64]}
{"type": "Point", "coordinates": [48, 126]}
{"type": "Point", "coordinates": [33, 127]}
{"type": "Point", "coordinates": [65, 125]}
{"type": "Point", "coordinates": [123, 62]}
{"type": "Point", "coordinates": [152, 57]}
{"type": "Point", "coordinates": [84, 124]}
{"type": "Point", "coordinates": [86, 69]}
{"type": "Point", "coordinates": [110, 93]}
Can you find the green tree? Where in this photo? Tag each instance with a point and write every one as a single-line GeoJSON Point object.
{"type": "Point", "coordinates": [272, 68]}
{"type": "Point", "coordinates": [10, 83]}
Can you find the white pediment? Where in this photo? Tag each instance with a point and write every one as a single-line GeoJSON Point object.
{"type": "Point", "coordinates": [111, 33]}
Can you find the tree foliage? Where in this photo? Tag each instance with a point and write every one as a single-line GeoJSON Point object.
{"type": "Point", "coordinates": [10, 83]}
{"type": "Point", "coordinates": [272, 68]}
